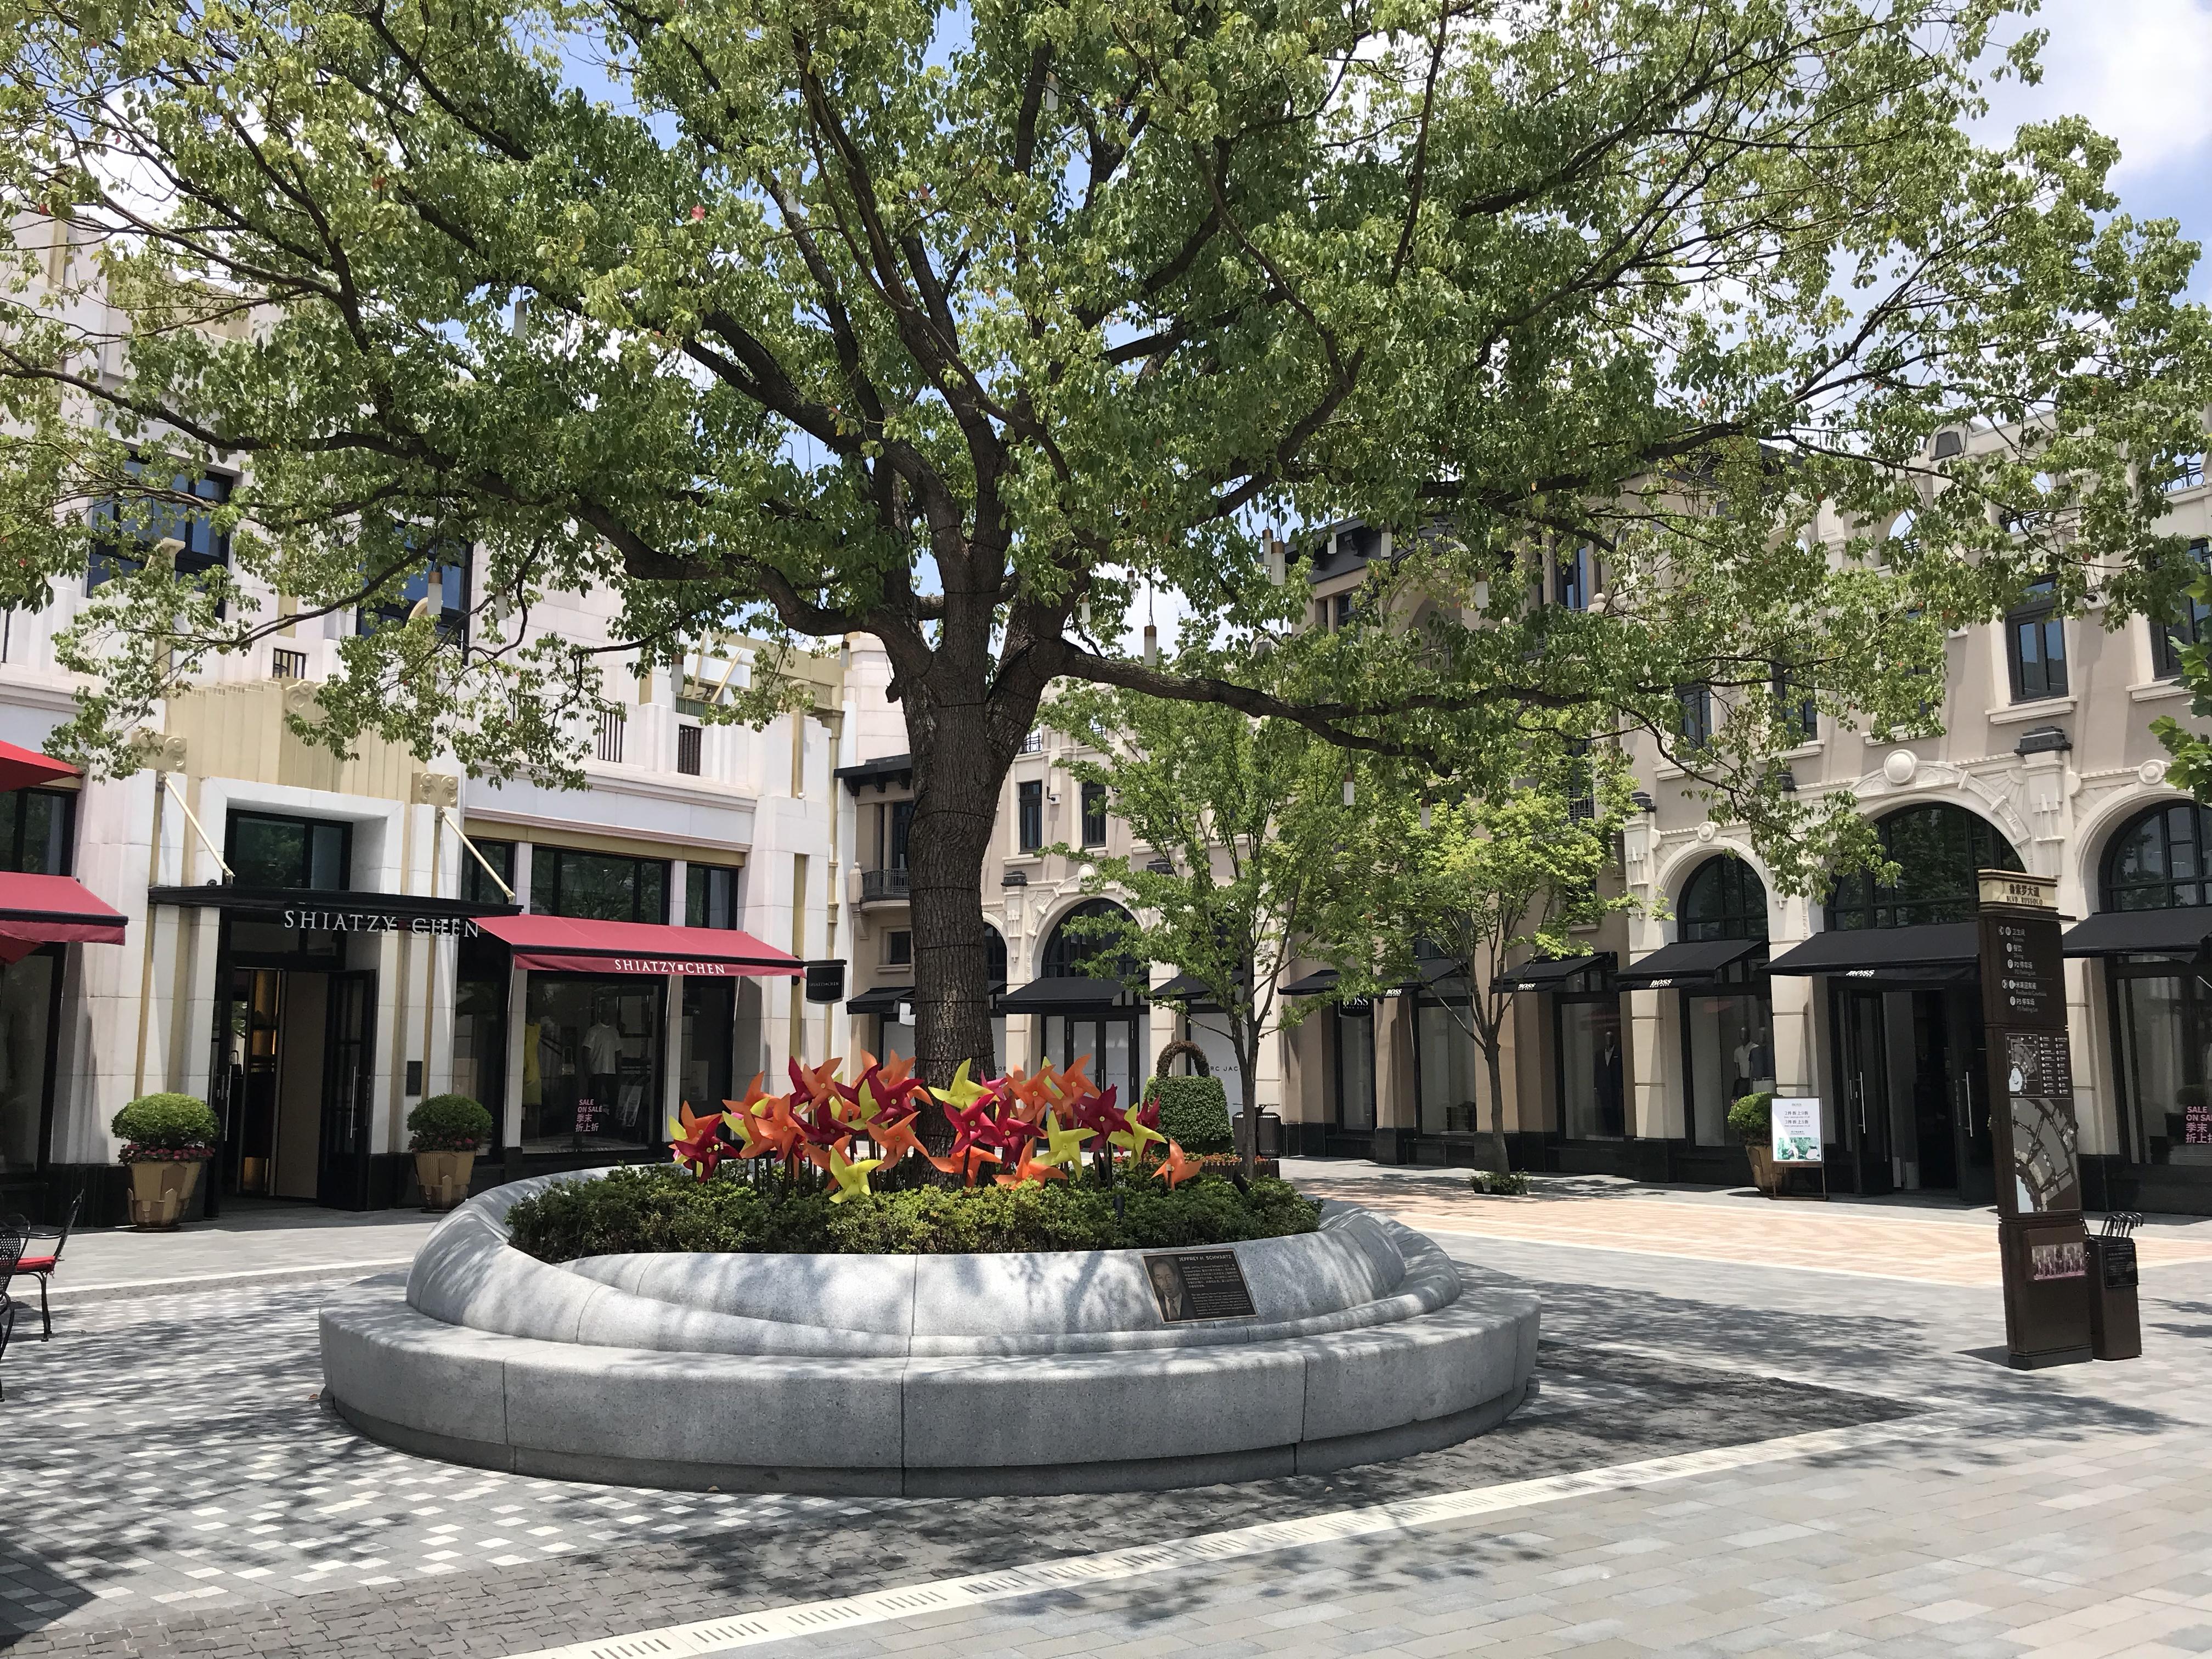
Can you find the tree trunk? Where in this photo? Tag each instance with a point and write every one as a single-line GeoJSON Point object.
{"type": "Point", "coordinates": [1248, 1089]}
{"type": "Point", "coordinates": [1490, 1047]}
{"type": "Point", "coordinates": [957, 776]}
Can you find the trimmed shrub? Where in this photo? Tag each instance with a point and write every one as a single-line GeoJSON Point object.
{"type": "Point", "coordinates": [1194, 1112]}
{"type": "Point", "coordinates": [1752, 1119]}
{"type": "Point", "coordinates": [662, 1209]}
{"type": "Point", "coordinates": [1511, 1184]}
{"type": "Point", "coordinates": [447, 1123]}
{"type": "Point", "coordinates": [166, 1125]}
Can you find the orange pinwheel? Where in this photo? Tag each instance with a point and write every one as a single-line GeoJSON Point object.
{"type": "Point", "coordinates": [966, 1165]}
{"type": "Point", "coordinates": [698, 1141]}
{"type": "Point", "coordinates": [1178, 1167]}
{"type": "Point", "coordinates": [894, 1140]}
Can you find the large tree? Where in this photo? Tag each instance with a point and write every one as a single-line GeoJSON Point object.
{"type": "Point", "coordinates": [958, 324]}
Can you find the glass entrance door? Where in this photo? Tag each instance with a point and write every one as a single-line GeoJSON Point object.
{"type": "Point", "coordinates": [1862, 1067]}
{"type": "Point", "coordinates": [350, 1070]}
{"type": "Point", "coordinates": [1110, 1040]}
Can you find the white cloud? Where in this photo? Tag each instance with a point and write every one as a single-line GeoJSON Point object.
{"type": "Point", "coordinates": [2137, 68]}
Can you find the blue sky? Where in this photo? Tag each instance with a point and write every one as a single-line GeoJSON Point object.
{"type": "Point", "coordinates": [2141, 71]}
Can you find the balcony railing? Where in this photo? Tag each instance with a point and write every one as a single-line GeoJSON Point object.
{"type": "Point", "coordinates": [881, 886]}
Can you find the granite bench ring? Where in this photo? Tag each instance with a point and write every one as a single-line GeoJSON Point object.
{"type": "Point", "coordinates": [919, 1374]}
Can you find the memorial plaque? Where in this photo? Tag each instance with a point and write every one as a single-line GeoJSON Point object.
{"type": "Point", "coordinates": [1194, 1285]}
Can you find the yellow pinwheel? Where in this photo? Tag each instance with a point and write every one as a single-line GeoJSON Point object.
{"type": "Point", "coordinates": [851, 1178]}
{"type": "Point", "coordinates": [1133, 1140]}
{"type": "Point", "coordinates": [1063, 1147]}
{"type": "Point", "coordinates": [965, 1091]}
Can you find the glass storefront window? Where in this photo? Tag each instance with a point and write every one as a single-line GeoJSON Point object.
{"type": "Point", "coordinates": [709, 1024]}
{"type": "Point", "coordinates": [1448, 1064]}
{"type": "Point", "coordinates": [480, 1047]}
{"type": "Point", "coordinates": [267, 851]}
{"type": "Point", "coordinates": [1111, 1042]}
{"type": "Point", "coordinates": [601, 886]}
{"type": "Point", "coordinates": [1592, 1067]}
{"type": "Point", "coordinates": [2164, 1020]}
{"type": "Point", "coordinates": [1731, 1055]}
{"type": "Point", "coordinates": [27, 1013]}
{"type": "Point", "coordinates": [1355, 1068]}
{"type": "Point", "coordinates": [591, 1062]}
{"type": "Point", "coordinates": [38, 831]}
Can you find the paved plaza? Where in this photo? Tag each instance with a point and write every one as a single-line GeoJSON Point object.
{"type": "Point", "coordinates": [1756, 1428]}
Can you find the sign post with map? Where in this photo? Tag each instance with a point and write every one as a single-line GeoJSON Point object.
{"type": "Point", "coordinates": [2040, 1236]}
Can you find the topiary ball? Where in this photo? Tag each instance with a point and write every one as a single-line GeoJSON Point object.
{"type": "Point", "coordinates": [448, 1123]}
{"type": "Point", "coordinates": [171, 1124]}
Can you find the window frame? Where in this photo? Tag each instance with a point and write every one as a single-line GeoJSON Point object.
{"type": "Point", "coordinates": [477, 887]}
{"type": "Point", "coordinates": [107, 563]}
{"type": "Point", "coordinates": [1029, 815]}
{"type": "Point", "coordinates": [2110, 892]}
{"type": "Point", "coordinates": [2049, 626]}
{"type": "Point", "coordinates": [305, 884]}
{"type": "Point", "coordinates": [554, 860]}
{"type": "Point", "coordinates": [17, 808]}
{"type": "Point", "coordinates": [1092, 801]}
{"type": "Point", "coordinates": [2169, 639]}
{"type": "Point", "coordinates": [702, 903]}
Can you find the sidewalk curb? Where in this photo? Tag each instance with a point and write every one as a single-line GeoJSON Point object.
{"type": "Point", "coordinates": [247, 1278]}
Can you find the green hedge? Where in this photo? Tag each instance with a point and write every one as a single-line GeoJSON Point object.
{"type": "Point", "coordinates": [661, 1208]}
{"type": "Point", "coordinates": [167, 1122]}
{"type": "Point", "coordinates": [1194, 1112]}
{"type": "Point", "coordinates": [448, 1123]}
{"type": "Point", "coordinates": [1752, 1119]}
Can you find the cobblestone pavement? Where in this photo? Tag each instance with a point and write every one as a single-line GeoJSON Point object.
{"type": "Point", "coordinates": [173, 1487]}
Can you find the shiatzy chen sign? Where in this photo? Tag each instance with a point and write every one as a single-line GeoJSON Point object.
{"type": "Point", "coordinates": [375, 921]}
{"type": "Point", "coordinates": [1198, 1284]}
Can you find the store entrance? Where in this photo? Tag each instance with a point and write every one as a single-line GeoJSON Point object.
{"type": "Point", "coordinates": [1908, 1064]}
{"type": "Point", "coordinates": [293, 1072]}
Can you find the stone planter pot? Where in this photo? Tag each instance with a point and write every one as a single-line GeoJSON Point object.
{"type": "Point", "coordinates": [1762, 1166]}
{"type": "Point", "coordinates": [160, 1190]}
{"type": "Point", "coordinates": [444, 1178]}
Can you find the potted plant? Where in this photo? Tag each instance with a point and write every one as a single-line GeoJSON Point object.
{"type": "Point", "coordinates": [166, 1138]}
{"type": "Point", "coordinates": [445, 1134]}
{"type": "Point", "coordinates": [1753, 1118]}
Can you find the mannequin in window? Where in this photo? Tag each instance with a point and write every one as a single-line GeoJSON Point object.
{"type": "Point", "coordinates": [1611, 1120]}
{"type": "Point", "coordinates": [603, 1054]}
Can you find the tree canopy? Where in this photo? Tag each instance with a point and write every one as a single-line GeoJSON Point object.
{"type": "Point", "coordinates": [962, 326]}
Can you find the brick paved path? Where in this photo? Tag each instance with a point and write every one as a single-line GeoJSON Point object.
{"type": "Point", "coordinates": [173, 1487]}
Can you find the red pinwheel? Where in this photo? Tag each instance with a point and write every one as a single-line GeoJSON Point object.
{"type": "Point", "coordinates": [698, 1142]}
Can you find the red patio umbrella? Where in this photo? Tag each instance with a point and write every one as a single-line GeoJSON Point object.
{"type": "Point", "coordinates": [21, 767]}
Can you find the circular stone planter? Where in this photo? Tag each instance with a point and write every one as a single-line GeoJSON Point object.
{"type": "Point", "coordinates": [919, 1374]}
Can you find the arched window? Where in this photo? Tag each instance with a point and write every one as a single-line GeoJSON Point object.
{"type": "Point", "coordinates": [2157, 861]}
{"type": "Point", "coordinates": [1073, 953]}
{"type": "Point", "coordinates": [1725, 899]}
{"type": "Point", "coordinates": [1937, 848]}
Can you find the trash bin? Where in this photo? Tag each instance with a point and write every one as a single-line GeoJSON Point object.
{"type": "Point", "coordinates": [2115, 1321]}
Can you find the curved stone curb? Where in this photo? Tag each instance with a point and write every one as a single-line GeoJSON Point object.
{"type": "Point", "coordinates": [1378, 1351]}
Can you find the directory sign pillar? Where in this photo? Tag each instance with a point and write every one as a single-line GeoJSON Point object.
{"type": "Point", "coordinates": [2030, 1091]}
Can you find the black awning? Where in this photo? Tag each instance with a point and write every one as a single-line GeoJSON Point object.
{"type": "Point", "coordinates": [1184, 987]}
{"type": "Point", "coordinates": [880, 999]}
{"type": "Point", "coordinates": [892, 771]}
{"type": "Point", "coordinates": [2179, 931]}
{"type": "Point", "coordinates": [1926, 957]}
{"type": "Point", "coordinates": [1691, 962]}
{"type": "Point", "coordinates": [1431, 971]}
{"type": "Point", "coordinates": [1549, 973]}
{"type": "Point", "coordinates": [1071, 994]}
{"type": "Point", "coordinates": [1319, 984]}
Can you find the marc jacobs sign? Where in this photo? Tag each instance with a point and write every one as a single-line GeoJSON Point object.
{"type": "Point", "coordinates": [377, 922]}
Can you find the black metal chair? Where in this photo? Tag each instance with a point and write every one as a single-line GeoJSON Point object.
{"type": "Point", "coordinates": [40, 1263]}
{"type": "Point", "coordinates": [13, 1233]}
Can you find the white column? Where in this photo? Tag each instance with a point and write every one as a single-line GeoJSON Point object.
{"type": "Point", "coordinates": [518, 1032]}
{"type": "Point", "coordinates": [672, 1072]}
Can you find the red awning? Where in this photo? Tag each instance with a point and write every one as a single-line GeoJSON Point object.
{"type": "Point", "coordinates": [572, 945]}
{"type": "Point", "coordinates": [37, 910]}
{"type": "Point", "coordinates": [21, 767]}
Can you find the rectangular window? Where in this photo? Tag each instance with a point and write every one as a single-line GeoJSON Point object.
{"type": "Point", "coordinates": [1340, 611]}
{"type": "Point", "coordinates": [119, 548]}
{"type": "Point", "coordinates": [604, 886]}
{"type": "Point", "coordinates": [687, 750]}
{"type": "Point", "coordinates": [898, 948]}
{"type": "Point", "coordinates": [1034, 743]}
{"type": "Point", "coordinates": [38, 831]}
{"type": "Point", "coordinates": [2191, 624]}
{"type": "Point", "coordinates": [710, 896]}
{"type": "Point", "coordinates": [1094, 814]}
{"type": "Point", "coordinates": [1695, 724]}
{"type": "Point", "coordinates": [476, 886]}
{"type": "Point", "coordinates": [592, 1054]}
{"type": "Point", "coordinates": [263, 850]}
{"type": "Point", "coordinates": [1593, 1095]}
{"type": "Point", "coordinates": [1794, 711]}
{"type": "Point", "coordinates": [611, 723]}
{"type": "Point", "coordinates": [899, 823]}
{"type": "Point", "coordinates": [287, 665]}
{"type": "Point", "coordinates": [1031, 797]}
{"type": "Point", "coordinates": [439, 589]}
{"type": "Point", "coordinates": [2035, 639]}
{"type": "Point", "coordinates": [1578, 577]}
